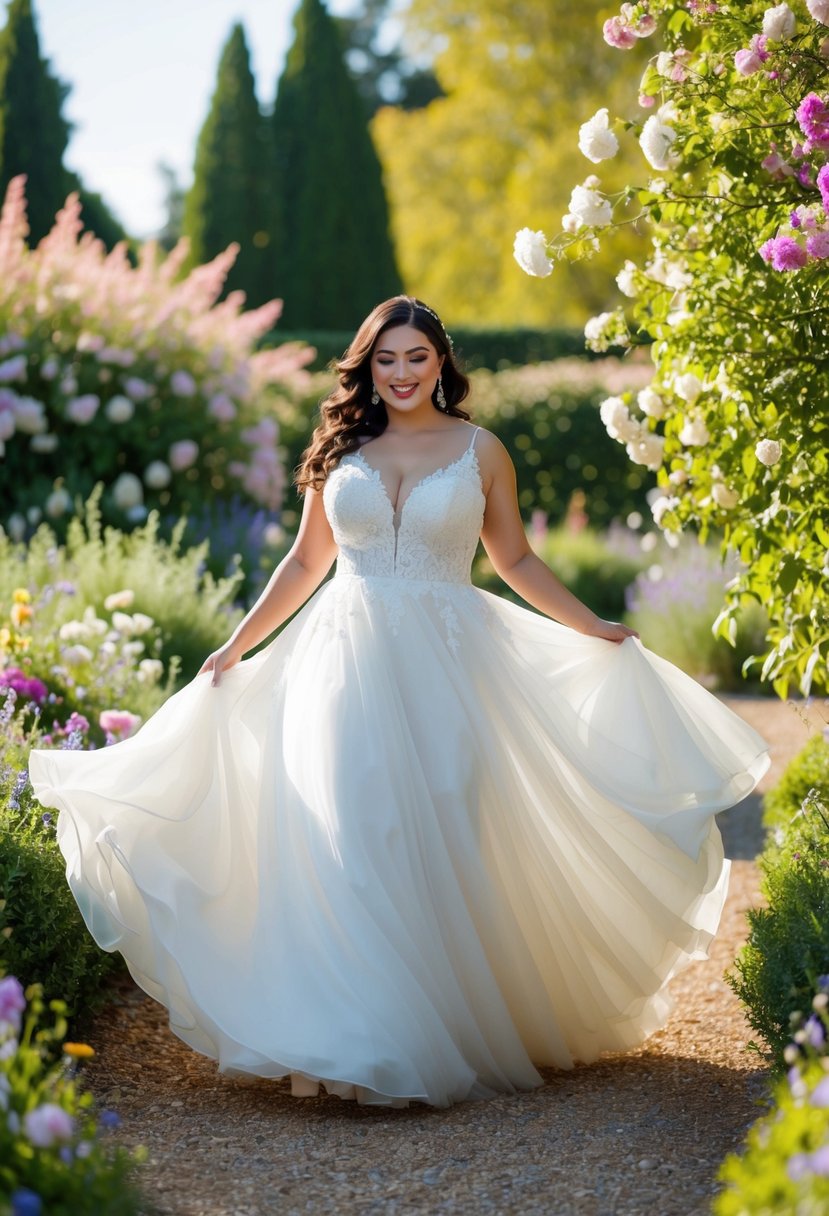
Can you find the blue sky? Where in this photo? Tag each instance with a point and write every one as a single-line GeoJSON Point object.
{"type": "Point", "coordinates": [142, 73]}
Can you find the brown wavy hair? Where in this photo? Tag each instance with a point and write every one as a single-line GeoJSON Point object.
{"type": "Point", "coordinates": [347, 413]}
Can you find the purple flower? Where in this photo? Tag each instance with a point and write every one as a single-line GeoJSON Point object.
{"type": "Point", "coordinates": [817, 244]}
{"type": "Point", "coordinates": [12, 1001]}
{"type": "Point", "coordinates": [815, 1034]}
{"type": "Point", "coordinates": [110, 1118]}
{"type": "Point", "coordinates": [784, 253]}
{"type": "Point", "coordinates": [813, 116]}
{"type": "Point", "coordinates": [823, 187]}
{"type": "Point", "coordinates": [20, 783]}
{"type": "Point", "coordinates": [797, 1166]}
{"type": "Point", "coordinates": [28, 687]}
{"type": "Point", "coordinates": [26, 1202]}
{"type": "Point", "coordinates": [822, 983]}
{"type": "Point", "coordinates": [820, 1094]}
{"type": "Point", "coordinates": [820, 1161]}
{"type": "Point", "coordinates": [46, 819]}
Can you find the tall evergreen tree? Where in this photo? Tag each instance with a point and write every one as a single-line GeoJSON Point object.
{"type": "Point", "coordinates": [33, 132]}
{"type": "Point", "coordinates": [334, 258]}
{"type": "Point", "coordinates": [227, 199]}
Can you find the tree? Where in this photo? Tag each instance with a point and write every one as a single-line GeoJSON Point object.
{"type": "Point", "coordinates": [33, 132]}
{"type": "Point", "coordinates": [494, 153]}
{"type": "Point", "coordinates": [174, 196]}
{"type": "Point", "coordinates": [227, 199]}
{"type": "Point", "coordinates": [729, 290]}
{"type": "Point", "coordinates": [333, 255]}
{"type": "Point", "coordinates": [382, 72]}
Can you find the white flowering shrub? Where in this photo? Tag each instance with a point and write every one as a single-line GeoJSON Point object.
{"type": "Point", "coordinates": [733, 205]}
{"type": "Point", "coordinates": [131, 376]}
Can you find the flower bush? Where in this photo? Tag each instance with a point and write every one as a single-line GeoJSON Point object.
{"type": "Point", "coordinates": [785, 1165]}
{"type": "Point", "coordinates": [56, 1156]}
{"type": "Point", "coordinates": [734, 202]}
{"type": "Point", "coordinates": [132, 376]}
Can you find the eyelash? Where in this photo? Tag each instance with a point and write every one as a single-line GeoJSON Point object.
{"type": "Point", "coordinates": [389, 362]}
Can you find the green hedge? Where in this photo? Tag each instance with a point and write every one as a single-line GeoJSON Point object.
{"type": "Point", "coordinates": [490, 348]}
{"type": "Point", "coordinates": [810, 770]}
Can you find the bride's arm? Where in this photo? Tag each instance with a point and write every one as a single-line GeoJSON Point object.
{"type": "Point", "coordinates": [297, 576]}
{"type": "Point", "coordinates": [509, 550]}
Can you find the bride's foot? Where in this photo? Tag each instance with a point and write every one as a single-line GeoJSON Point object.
{"type": "Point", "coordinates": [303, 1087]}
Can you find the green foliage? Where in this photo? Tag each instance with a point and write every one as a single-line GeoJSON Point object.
{"type": "Point", "coordinates": [674, 604]}
{"type": "Point", "coordinates": [54, 1144]}
{"type": "Point", "coordinates": [739, 414]}
{"type": "Point", "coordinates": [787, 950]}
{"type": "Point", "coordinates": [229, 196]}
{"type": "Point", "coordinates": [33, 132]}
{"type": "Point", "coordinates": [333, 257]}
{"type": "Point", "coordinates": [782, 1170]}
{"type": "Point", "coordinates": [808, 771]}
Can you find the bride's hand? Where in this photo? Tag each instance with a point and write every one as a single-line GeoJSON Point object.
{"type": "Point", "coordinates": [218, 662]}
{"type": "Point", "coordinates": [612, 631]}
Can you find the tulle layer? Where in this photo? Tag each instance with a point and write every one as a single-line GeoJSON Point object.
{"type": "Point", "coordinates": [423, 843]}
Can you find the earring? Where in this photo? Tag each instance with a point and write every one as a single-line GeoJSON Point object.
{"type": "Point", "coordinates": [375, 396]}
{"type": "Point", "coordinates": [441, 395]}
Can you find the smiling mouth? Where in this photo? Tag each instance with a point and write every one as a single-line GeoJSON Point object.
{"type": "Point", "coordinates": [403, 390]}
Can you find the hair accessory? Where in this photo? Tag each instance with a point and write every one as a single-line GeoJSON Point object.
{"type": "Point", "coordinates": [432, 313]}
{"type": "Point", "coordinates": [441, 395]}
{"type": "Point", "coordinates": [375, 396]}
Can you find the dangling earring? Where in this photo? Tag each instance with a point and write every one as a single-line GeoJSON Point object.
{"type": "Point", "coordinates": [441, 395]}
{"type": "Point", "coordinates": [375, 396]}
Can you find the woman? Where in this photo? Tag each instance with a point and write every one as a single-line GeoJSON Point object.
{"type": "Point", "coordinates": [426, 840]}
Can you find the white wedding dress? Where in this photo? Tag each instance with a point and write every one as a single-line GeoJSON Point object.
{"type": "Point", "coordinates": [422, 843]}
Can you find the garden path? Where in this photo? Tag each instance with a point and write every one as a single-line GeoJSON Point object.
{"type": "Point", "coordinates": [640, 1134]}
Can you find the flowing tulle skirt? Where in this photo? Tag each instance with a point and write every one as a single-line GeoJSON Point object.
{"type": "Point", "coordinates": [421, 844]}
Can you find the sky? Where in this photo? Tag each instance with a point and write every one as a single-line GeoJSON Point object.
{"type": "Point", "coordinates": [142, 74]}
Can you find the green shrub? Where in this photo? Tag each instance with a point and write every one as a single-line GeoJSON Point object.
{"type": "Point", "coordinates": [808, 771]}
{"type": "Point", "coordinates": [784, 1168]}
{"type": "Point", "coordinates": [55, 1157]}
{"type": "Point", "coordinates": [788, 944]}
{"type": "Point", "coordinates": [44, 938]}
{"type": "Point", "coordinates": [674, 604]}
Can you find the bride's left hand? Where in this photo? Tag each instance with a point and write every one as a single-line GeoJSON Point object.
{"type": "Point", "coordinates": [612, 631]}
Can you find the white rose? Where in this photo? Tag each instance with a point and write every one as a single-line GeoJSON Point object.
{"type": "Point", "coordinates": [127, 491]}
{"type": "Point", "coordinates": [119, 599]}
{"type": "Point", "coordinates": [596, 331]}
{"type": "Point", "coordinates": [678, 477]}
{"type": "Point", "coordinates": [141, 623]}
{"type": "Point", "coordinates": [779, 23]}
{"type": "Point", "coordinates": [157, 475]}
{"type": "Point", "coordinates": [688, 387]}
{"type": "Point", "coordinates": [617, 420]}
{"type": "Point", "coordinates": [651, 403]}
{"type": "Point", "coordinates": [151, 669]}
{"type": "Point", "coordinates": [656, 141]}
{"type": "Point", "coordinates": [58, 503]}
{"type": "Point", "coordinates": [44, 443]}
{"type": "Point", "coordinates": [694, 433]}
{"type": "Point", "coordinates": [661, 506]}
{"type": "Point", "coordinates": [73, 631]}
{"type": "Point", "coordinates": [819, 9]}
{"type": "Point", "coordinates": [626, 280]}
{"type": "Point", "coordinates": [648, 449]}
{"type": "Point", "coordinates": [768, 452]}
{"type": "Point", "coordinates": [132, 649]}
{"type": "Point", "coordinates": [590, 208]}
{"type": "Point", "coordinates": [530, 252]}
{"type": "Point", "coordinates": [724, 496]}
{"type": "Point", "coordinates": [119, 409]}
{"type": "Point", "coordinates": [570, 223]}
{"type": "Point", "coordinates": [75, 655]}
{"type": "Point", "coordinates": [596, 141]}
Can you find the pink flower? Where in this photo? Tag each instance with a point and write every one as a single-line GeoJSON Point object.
{"type": "Point", "coordinates": [646, 101]}
{"type": "Point", "coordinates": [784, 253]}
{"type": "Point", "coordinates": [119, 722]}
{"type": "Point", "coordinates": [27, 687]}
{"type": "Point", "coordinates": [182, 384]}
{"type": "Point", "coordinates": [823, 187]}
{"type": "Point", "coordinates": [817, 245]}
{"type": "Point", "coordinates": [82, 409]}
{"type": "Point", "coordinates": [819, 9]}
{"type": "Point", "coordinates": [183, 454]}
{"type": "Point", "coordinates": [222, 408]}
{"type": "Point", "coordinates": [48, 1123]}
{"type": "Point", "coordinates": [617, 34]}
{"type": "Point", "coordinates": [813, 116]}
{"type": "Point", "coordinates": [12, 1002]}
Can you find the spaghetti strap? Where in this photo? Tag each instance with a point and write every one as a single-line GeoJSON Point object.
{"type": "Point", "coordinates": [471, 447]}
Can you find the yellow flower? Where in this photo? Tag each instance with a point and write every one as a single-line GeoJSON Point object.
{"type": "Point", "coordinates": [5, 637]}
{"type": "Point", "coordinates": [20, 613]}
{"type": "Point", "coordinates": [21, 596]}
{"type": "Point", "coordinates": [78, 1051]}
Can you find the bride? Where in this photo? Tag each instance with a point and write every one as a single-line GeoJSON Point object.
{"type": "Point", "coordinates": [425, 841]}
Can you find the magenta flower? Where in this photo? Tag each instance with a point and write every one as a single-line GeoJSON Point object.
{"type": "Point", "coordinates": [27, 687]}
{"type": "Point", "coordinates": [617, 34]}
{"type": "Point", "coordinates": [118, 722]}
{"type": "Point", "coordinates": [12, 1002]}
{"type": "Point", "coordinates": [817, 244]}
{"type": "Point", "coordinates": [784, 253]}
{"type": "Point", "coordinates": [813, 116]}
{"type": "Point", "coordinates": [823, 187]}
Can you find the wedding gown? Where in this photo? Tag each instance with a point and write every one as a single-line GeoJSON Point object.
{"type": "Point", "coordinates": [423, 842]}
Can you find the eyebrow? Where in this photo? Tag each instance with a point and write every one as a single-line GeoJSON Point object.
{"type": "Point", "coordinates": [411, 351]}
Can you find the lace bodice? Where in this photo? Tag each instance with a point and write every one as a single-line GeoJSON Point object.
{"type": "Point", "coordinates": [432, 537]}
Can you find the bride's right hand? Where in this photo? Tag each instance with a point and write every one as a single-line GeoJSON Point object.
{"type": "Point", "coordinates": [218, 662]}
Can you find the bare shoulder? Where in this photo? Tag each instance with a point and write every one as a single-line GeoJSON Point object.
{"type": "Point", "coordinates": [493, 458]}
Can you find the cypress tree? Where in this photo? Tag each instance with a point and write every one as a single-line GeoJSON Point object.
{"type": "Point", "coordinates": [227, 199]}
{"type": "Point", "coordinates": [333, 256]}
{"type": "Point", "coordinates": [33, 132]}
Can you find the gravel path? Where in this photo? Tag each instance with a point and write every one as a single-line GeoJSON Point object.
{"type": "Point", "coordinates": [640, 1134]}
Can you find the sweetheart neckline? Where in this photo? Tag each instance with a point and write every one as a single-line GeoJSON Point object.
{"type": "Point", "coordinates": [397, 513]}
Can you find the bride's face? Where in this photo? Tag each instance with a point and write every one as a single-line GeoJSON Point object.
{"type": "Point", "coordinates": [405, 367]}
